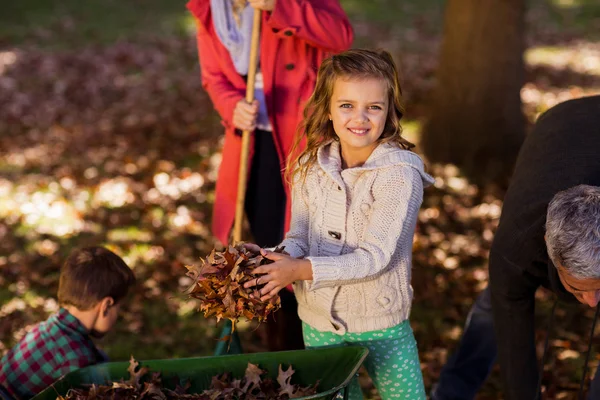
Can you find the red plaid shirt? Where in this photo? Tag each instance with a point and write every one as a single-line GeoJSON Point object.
{"type": "Point", "coordinates": [52, 349]}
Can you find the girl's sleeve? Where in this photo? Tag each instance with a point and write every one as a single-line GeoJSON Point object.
{"type": "Point", "coordinates": [321, 23]}
{"type": "Point", "coordinates": [223, 94]}
{"type": "Point", "coordinates": [296, 239]}
{"type": "Point", "coordinates": [397, 199]}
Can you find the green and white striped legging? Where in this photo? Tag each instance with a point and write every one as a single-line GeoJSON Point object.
{"type": "Point", "coordinates": [392, 363]}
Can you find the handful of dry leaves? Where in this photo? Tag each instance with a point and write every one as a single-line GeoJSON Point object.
{"type": "Point", "coordinates": [223, 387]}
{"type": "Point", "coordinates": [219, 285]}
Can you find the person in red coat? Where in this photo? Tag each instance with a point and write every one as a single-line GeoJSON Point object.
{"type": "Point", "coordinates": [296, 35]}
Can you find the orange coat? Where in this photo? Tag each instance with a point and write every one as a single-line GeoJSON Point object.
{"type": "Point", "coordinates": [295, 38]}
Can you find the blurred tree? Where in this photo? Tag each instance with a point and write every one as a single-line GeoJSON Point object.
{"type": "Point", "coordinates": [476, 120]}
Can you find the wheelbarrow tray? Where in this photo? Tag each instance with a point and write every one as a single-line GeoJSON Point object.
{"type": "Point", "coordinates": [333, 367]}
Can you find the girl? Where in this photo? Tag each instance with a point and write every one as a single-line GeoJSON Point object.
{"type": "Point", "coordinates": [356, 192]}
{"type": "Point", "coordinates": [295, 37]}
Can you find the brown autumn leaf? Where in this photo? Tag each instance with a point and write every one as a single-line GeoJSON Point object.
{"type": "Point", "coordinates": [136, 376]}
{"type": "Point", "coordinates": [195, 272]}
{"type": "Point", "coordinates": [252, 376]}
{"type": "Point", "coordinates": [122, 385]}
{"type": "Point", "coordinates": [153, 391]}
{"type": "Point", "coordinates": [219, 285]}
{"type": "Point", "coordinates": [284, 379]}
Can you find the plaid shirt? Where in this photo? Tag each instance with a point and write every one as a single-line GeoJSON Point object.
{"type": "Point", "coordinates": [53, 348]}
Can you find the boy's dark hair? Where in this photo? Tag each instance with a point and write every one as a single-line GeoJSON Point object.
{"type": "Point", "coordinates": [91, 274]}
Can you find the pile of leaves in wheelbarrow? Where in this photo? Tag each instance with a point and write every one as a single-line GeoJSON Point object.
{"type": "Point", "coordinates": [219, 285]}
{"type": "Point", "coordinates": [223, 387]}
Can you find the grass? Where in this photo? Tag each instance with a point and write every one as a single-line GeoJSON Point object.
{"type": "Point", "coordinates": [389, 11]}
{"type": "Point", "coordinates": [583, 15]}
{"type": "Point", "coordinates": [68, 24]}
{"type": "Point", "coordinates": [65, 24]}
{"type": "Point", "coordinates": [62, 24]}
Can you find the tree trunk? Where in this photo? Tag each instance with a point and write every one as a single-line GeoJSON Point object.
{"type": "Point", "coordinates": [476, 120]}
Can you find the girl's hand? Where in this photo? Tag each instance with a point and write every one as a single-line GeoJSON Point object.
{"type": "Point", "coordinates": [279, 274]}
{"type": "Point", "coordinates": [252, 247]}
{"type": "Point", "coordinates": [267, 5]}
{"type": "Point", "coordinates": [244, 115]}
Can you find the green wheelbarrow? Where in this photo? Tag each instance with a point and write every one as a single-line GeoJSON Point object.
{"type": "Point", "coordinates": [231, 346]}
{"type": "Point", "coordinates": [333, 367]}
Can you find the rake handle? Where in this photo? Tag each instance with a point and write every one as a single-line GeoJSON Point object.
{"type": "Point", "coordinates": [242, 177]}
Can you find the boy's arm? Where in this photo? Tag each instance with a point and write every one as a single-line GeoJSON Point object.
{"type": "Point", "coordinates": [396, 204]}
{"type": "Point", "coordinates": [76, 356]}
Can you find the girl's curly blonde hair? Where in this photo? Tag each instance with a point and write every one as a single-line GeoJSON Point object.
{"type": "Point", "coordinates": [317, 129]}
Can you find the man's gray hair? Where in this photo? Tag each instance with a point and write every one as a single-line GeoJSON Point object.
{"type": "Point", "coordinates": [573, 231]}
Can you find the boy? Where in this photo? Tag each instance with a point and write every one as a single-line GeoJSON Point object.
{"type": "Point", "coordinates": [92, 283]}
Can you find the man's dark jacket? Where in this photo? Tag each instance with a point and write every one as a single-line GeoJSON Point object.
{"type": "Point", "coordinates": [562, 151]}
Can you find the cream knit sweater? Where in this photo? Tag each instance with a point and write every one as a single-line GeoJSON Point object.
{"type": "Point", "coordinates": [356, 227]}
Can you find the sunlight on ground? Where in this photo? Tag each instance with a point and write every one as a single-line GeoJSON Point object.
{"type": "Point", "coordinates": [129, 234]}
{"type": "Point", "coordinates": [187, 24]}
{"type": "Point", "coordinates": [188, 308]}
{"type": "Point", "coordinates": [175, 187]}
{"type": "Point", "coordinates": [566, 3]}
{"type": "Point", "coordinates": [44, 210]}
{"type": "Point", "coordinates": [541, 100]}
{"type": "Point", "coordinates": [7, 58]}
{"type": "Point", "coordinates": [583, 58]}
{"type": "Point", "coordinates": [411, 130]}
{"type": "Point", "coordinates": [114, 193]}
{"type": "Point", "coordinates": [25, 301]}
{"type": "Point", "coordinates": [60, 208]}
{"type": "Point", "coordinates": [578, 63]}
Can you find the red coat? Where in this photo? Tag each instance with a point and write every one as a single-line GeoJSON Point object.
{"type": "Point", "coordinates": [295, 38]}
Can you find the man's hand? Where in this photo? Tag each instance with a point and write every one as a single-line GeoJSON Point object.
{"type": "Point", "coordinates": [244, 115]}
{"type": "Point", "coordinates": [279, 274]}
{"type": "Point", "coordinates": [267, 5]}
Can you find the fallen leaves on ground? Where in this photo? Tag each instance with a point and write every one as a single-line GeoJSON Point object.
{"type": "Point", "coordinates": [252, 386]}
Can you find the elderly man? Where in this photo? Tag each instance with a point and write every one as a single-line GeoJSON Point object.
{"type": "Point", "coordinates": [549, 235]}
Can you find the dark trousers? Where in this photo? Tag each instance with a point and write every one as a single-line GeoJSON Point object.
{"type": "Point", "coordinates": [470, 365]}
{"type": "Point", "coordinates": [265, 210]}
{"type": "Point", "coordinates": [265, 196]}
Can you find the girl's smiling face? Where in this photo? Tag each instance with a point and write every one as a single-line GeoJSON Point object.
{"type": "Point", "coordinates": [358, 111]}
